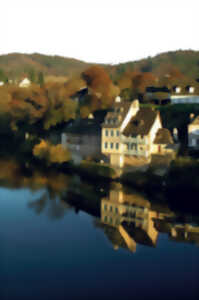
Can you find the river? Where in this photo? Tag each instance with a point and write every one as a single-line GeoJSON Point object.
{"type": "Point", "coordinates": [61, 238]}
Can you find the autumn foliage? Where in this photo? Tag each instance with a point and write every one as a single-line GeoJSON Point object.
{"type": "Point", "coordinates": [101, 88]}
{"type": "Point", "coordinates": [51, 153]}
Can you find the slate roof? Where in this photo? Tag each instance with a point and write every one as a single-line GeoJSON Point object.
{"type": "Point", "coordinates": [115, 117]}
{"type": "Point", "coordinates": [163, 136]}
{"type": "Point", "coordinates": [141, 123]}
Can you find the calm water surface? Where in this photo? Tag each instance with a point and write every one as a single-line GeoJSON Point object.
{"type": "Point", "coordinates": [54, 248]}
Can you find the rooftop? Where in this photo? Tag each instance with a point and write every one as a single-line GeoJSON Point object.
{"type": "Point", "coordinates": [115, 117]}
{"type": "Point", "coordinates": [163, 136]}
{"type": "Point", "coordinates": [141, 123]}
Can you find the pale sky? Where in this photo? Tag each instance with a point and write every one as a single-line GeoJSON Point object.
{"type": "Point", "coordinates": [99, 31]}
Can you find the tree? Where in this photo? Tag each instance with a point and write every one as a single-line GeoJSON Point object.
{"type": "Point", "coordinates": [100, 86]}
{"type": "Point", "coordinates": [32, 76]}
{"type": "Point", "coordinates": [41, 79]}
{"type": "Point", "coordinates": [51, 153]}
{"type": "Point", "coordinates": [3, 76]}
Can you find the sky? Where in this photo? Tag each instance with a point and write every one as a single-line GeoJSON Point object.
{"type": "Point", "coordinates": [101, 31]}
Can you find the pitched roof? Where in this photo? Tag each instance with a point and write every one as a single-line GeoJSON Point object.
{"type": "Point", "coordinates": [163, 136]}
{"type": "Point", "coordinates": [115, 117]}
{"type": "Point", "coordinates": [141, 123]}
{"type": "Point", "coordinates": [195, 121]}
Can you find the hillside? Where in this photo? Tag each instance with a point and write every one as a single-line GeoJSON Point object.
{"type": "Point", "coordinates": [186, 61]}
{"type": "Point", "coordinates": [16, 64]}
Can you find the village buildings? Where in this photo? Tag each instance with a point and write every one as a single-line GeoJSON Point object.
{"type": "Point", "coordinates": [186, 95]}
{"type": "Point", "coordinates": [131, 131]}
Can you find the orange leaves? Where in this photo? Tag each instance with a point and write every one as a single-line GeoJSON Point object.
{"type": "Point", "coordinates": [96, 77]}
{"type": "Point", "coordinates": [137, 80]}
{"type": "Point", "coordinates": [51, 153]}
{"type": "Point", "coordinates": [29, 103]}
{"type": "Point", "coordinates": [100, 86]}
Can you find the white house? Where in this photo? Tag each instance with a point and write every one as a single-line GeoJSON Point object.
{"type": "Point", "coordinates": [129, 130]}
{"type": "Point", "coordinates": [25, 83]}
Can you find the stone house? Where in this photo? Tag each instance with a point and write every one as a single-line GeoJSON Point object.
{"type": "Point", "coordinates": [193, 132]}
{"type": "Point", "coordinates": [133, 131]}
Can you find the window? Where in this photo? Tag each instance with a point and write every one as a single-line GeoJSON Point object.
{"type": "Point", "coordinates": [111, 145]}
{"type": "Point", "coordinates": [105, 218]}
{"type": "Point", "coordinates": [128, 146]}
{"type": "Point", "coordinates": [105, 207]}
{"type": "Point", "coordinates": [110, 208]}
{"type": "Point", "coordinates": [112, 133]}
{"type": "Point", "coordinates": [106, 132]}
{"type": "Point", "coordinates": [133, 146]}
{"type": "Point", "coordinates": [116, 210]}
{"type": "Point", "coordinates": [105, 145]}
{"type": "Point", "coordinates": [117, 146]}
{"type": "Point", "coordinates": [118, 133]}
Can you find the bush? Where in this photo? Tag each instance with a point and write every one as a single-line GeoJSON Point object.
{"type": "Point", "coordinates": [51, 153]}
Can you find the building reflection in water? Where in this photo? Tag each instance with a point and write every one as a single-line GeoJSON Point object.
{"type": "Point", "coordinates": [130, 219]}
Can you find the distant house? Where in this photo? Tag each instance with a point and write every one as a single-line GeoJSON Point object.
{"type": "Point", "coordinates": [193, 132]}
{"type": "Point", "coordinates": [24, 83]}
{"type": "Point", "coordinates": [184, 96]}
{"type": "Point", "coordinates": [133, 131]}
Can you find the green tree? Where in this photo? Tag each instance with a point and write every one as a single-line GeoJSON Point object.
{"type": "Point", "coordinates": [41, 79]}
{"type": "Point", "coordinates": [3, 76]}
{"type": "Point", "coordinates": [31, 75]}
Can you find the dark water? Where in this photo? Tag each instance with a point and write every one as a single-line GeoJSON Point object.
{"type": "Point", "coordinates": [58, 240]}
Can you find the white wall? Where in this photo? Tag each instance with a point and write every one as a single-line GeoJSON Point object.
{"type": "Point", "coordinates": [184, 99]}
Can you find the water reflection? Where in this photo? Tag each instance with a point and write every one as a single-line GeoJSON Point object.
{"type": "Point", "coordinates": [131, 219]}
{"type": "Point", "coordinates": [126, 217]}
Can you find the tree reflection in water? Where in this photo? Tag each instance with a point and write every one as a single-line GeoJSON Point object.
{"type": "Point", "coordinates": [127, 218]}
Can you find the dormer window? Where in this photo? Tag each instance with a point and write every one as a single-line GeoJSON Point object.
{"type": "Point", "coordinates": [177, 89]}
{"type": "Point", "coordinates": [191, 89]}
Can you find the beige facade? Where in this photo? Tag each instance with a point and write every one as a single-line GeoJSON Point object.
{"type": "Point", "coordinates": [130, 131]}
